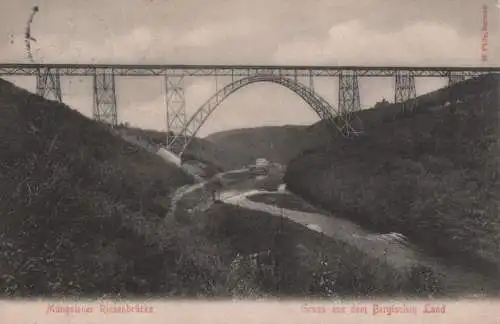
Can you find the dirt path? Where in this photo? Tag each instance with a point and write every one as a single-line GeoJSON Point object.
{"type": "Point", "coordinates": [184, 190]}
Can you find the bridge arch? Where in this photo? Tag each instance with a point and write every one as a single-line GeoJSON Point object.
{"type": "Point", "coordinates": [320, 106]}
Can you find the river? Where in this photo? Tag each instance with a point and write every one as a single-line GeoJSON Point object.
{"type": "Point", "coordinates": [398, 255]}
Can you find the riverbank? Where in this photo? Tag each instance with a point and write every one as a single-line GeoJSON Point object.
{"type": "Point", "coordinates": [456, 281]}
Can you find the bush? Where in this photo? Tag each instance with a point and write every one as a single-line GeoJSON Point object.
{"type": "Point", "coordinates": [300, 262]}
{"type": "Point", "coordinates": [83, 211]}
{"type": "Point", "coordinates": [432, 178]}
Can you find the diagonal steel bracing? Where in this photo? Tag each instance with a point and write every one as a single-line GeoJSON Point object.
{"type": "Point", "coordinates": [311, 81]}
{"type": "Point", "coordinates": [405, 92]}
{"type": "Point", "coordinates": [179, 141]}
{"type": "Point", "coordinates": [48, 83]}
{"type": "Point", "coordinates": [180, 128]}
{"type": "Point", "coordinates": [105, 108]}
{"type": "Point", "coordinates": [349, 102]}
{"type": "Point", "coordinates": [175, 100]}
{"type": "Point", "coordinates": [236, 71]}
{"type": "Point", "coordinates": [455, 77]}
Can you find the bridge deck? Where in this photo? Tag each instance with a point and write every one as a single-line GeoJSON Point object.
{"type": "Point", "coordinates": [241, 70]}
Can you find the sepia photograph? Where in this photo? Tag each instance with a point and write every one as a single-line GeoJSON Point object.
{"type": "Point", "coordinates": [316, 151]}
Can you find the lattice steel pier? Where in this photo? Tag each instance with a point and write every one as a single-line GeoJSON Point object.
{"type": "Point", "coordinates": [349, 102]}
{"type": "Point", "coordinates": [48, 83]}
{"type": "Point", "coordinates": [175, 100]}
{"type": "Point", "coordinates": [181, 128]}
{"type": "Point", "coordinates": [405, 92]}
{"type": "Point", "coordinates": [105, 108]}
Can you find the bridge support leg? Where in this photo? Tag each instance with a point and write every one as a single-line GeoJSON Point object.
{"type": "Point", "coordinates": [349, 101]}
{"type": "Point", "coordinates": [311, 81]}
{"type": "Point", "coordinates": [175, 101]}
{"type": "Point", "coordinates": [405, 91]}
{"type": "Point", "coordinates": [454, 78]}
{"type": "Point", "coordinates": [105, 108]}
{"type": "Point", "coordinates": [48, 84]}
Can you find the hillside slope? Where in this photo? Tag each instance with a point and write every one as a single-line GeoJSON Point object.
{"type": "Point", "coordinates": [431, 176]}
{"type": "Point", "coordinates": [81, 209]}
{"type": "Point", "coordinates": [304, 263]}
{"type": "Point", "coordinates": [275, 143]}
{"type": "Point", "coordinates": [282, 143]}
{"type": "Point", "coordinates": [199, 149]}
{"type": "Point", "coordinates": [82, 214]}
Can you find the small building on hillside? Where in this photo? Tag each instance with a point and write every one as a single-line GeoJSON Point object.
{"type": "Point", "coordinates": [282, 188]}
{"type": "Point", "coordinates": [261, 163]}
{"type": "Point", "coordinates": [261, 166]}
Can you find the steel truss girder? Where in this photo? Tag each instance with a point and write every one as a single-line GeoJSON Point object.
{"type": "Point", "coordinates": [240, 70]}
{"type": "Point", "coordinates": [48, 84]}
{"type": "Point", "coordinates": [349, 102]}
{"type": "Point", "coordinates": [405, 91]}
{"type": "Point", "coordinates": [105, 105]}
{"type": "Point", "coordinates": [192, 126]}
{"type": "Point", "coordinates": [175, 100]}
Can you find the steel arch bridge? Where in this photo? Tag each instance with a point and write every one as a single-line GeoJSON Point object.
{"type": "Point", "coordinates": [320, 106]}
{"type": "Point", "coordinates": [180, 128]}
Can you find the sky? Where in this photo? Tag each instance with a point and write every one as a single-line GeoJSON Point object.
{"type": "Point", "coordinates": [268, 32]}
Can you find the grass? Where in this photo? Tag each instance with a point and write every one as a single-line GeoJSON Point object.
{"type": "Point", "coordinates": [82, 214]}
{"type": "Point", "coordinates": [297, 271]}
{"type": "Point", "coordinates": [431, 176]}
{"type": "Point", "coordinates": [81, 211]}
{"type": "Point", "coordinates": [199, 149]}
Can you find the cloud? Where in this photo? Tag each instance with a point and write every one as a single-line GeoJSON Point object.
{"type": "Point", "coordinates": [140, 45]}
{"type": "Point", "coordinates": [210, 34]}
{"type": "Point", "coordinates": [242, 42]}
{"type": "Point", "coordinates": [352, 43]}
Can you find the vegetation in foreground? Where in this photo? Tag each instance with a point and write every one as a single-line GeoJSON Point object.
{"type": "Point", "coordinates": [83, 214]}
{"type": "Point", "coordinates": [432, 176]}
{"type": "Point", "coordinates": [81, 211]}
{"type": "Point", "coordinates": [304, 263]}
{"type": "Point", "coordinates": [199, 149]}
